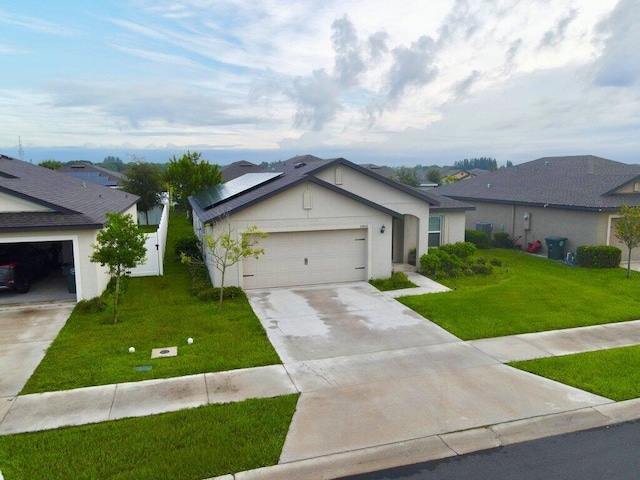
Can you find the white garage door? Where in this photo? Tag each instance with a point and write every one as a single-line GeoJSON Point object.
{"type": "Point", "coordinates": [308, 258]}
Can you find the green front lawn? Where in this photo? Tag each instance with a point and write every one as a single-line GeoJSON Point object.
{"type": "Point", "coordinates": [530, 294]}
{"type": "Point", "coordinates": [189, 444]}
{"type": "Point", "coordinates": [154, 312]}
{"type": "Point", "coordinates": [611, 373]}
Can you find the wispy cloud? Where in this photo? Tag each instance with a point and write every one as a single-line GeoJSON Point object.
{"type": "Point", "coordinates": [163, 58]}
{"type": "Point", "coordinates": [36, 25]}
{"type": "Point", "coordinates": [11, 49]}
{"type": "Point", "coordinates": [556, 34]}
{"type": "Point", "coordinates": [140, 103]}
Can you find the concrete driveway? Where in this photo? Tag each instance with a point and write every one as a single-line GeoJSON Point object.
{"type": "Point", "coordinates": [372, 372]}
{"type": "Point", "coordinates": [25, 334]}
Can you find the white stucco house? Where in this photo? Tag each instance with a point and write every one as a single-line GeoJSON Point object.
{"type": "Point", "coordinates": [327, 220]}
{"type": "Point", "coordinates": [61, 214]}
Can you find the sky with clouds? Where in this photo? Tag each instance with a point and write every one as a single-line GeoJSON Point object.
{"type": "Point", "coordinates": [401, 82]}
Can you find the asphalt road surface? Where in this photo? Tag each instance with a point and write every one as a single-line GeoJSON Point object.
{"type": "Point", "coordinates": [604, 453]}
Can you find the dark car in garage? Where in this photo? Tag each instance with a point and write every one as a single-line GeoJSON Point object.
{"type": "Point", "coordinates": [21, 265]}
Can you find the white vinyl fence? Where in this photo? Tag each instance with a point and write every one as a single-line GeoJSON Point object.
{"type": "Point", "coordinates": [155, 244]}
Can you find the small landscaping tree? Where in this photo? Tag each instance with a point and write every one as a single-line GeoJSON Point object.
{"type": "Point", "coordinates": [190, 174]}
{"type": "Point", "coordinates": [408, 176]}
{"type": "Point", "coordinates": [628, 230]}
{"type": "Point", "coordinates": [119, 246]}
{"type": "Point", "coordinates": [144, 180]}
{"type": "Point", "coordinates": [228, 248]}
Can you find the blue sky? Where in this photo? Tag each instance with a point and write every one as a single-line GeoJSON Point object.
{"type": "Point", "coordinates": [402, 82]}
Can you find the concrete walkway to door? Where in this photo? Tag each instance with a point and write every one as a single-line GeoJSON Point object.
{"type": "Point", "coordinates": [372, 372]}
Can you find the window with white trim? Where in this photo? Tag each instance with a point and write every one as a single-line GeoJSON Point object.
{"type": "Point", "coordinates": [435, 230]}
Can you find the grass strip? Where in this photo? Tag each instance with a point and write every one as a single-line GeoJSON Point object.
{"type": "Point", "coordinates": [529, 294]}
{"type": "Point", "coordinates": [189, 444]}
{"type": "Point", "coordinates": [154, 312]}
{"type": "Point", "coordinates": [610, 373]}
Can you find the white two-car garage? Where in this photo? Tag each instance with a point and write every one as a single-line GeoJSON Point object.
{"type": "Point", "coordinates": [308, 258]}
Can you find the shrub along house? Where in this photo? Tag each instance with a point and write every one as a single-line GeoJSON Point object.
{"type": "Point", "coordinates": [58, 214]}
{"type": "Point", "coordinates": [575, 197]}
{"type": "Point", "coordinates": [327, 220]}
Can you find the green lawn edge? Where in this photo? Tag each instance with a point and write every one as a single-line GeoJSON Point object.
{"type": "Point", "coordinates": [611, 373]}
{"type": "Point", "coordinates": [188, 444]}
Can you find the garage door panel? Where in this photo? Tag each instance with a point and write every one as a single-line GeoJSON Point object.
{"type": "Point", "coordinates": [307, 258]}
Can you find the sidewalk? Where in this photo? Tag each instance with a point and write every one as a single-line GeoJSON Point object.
{"type": "Point", "coordinates": [43, 411]}
{"type": "Point", "coordinates": [425, 285]}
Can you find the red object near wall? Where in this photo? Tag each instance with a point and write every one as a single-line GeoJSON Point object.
{"type": "Point", "coordinates": [534, 247]}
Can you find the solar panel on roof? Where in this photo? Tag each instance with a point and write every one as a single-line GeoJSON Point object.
{"type": "Point", "coordinates": [217, 194]}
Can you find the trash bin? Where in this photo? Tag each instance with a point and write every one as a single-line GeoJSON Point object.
{"type": "Point", "coordinates": [555, 247]}
{"type": "Point", "coordinates": [70, 275]}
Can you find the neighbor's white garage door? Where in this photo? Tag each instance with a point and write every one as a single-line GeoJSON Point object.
{"type": "Point", "coordinates": [308, 258]}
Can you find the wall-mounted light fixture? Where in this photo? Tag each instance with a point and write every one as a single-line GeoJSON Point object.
{"type": "Point", "coordinates": [382, 228]}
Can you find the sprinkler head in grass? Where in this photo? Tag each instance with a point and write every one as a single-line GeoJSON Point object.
{"type": "Point", "coordinates": [132, 350]}
{"type": "Point", "coordinates": [189, 340]}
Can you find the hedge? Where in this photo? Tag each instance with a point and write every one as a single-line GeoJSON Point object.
{"type": "Point", "coordinates": [478, 238]}
{"type": "Point", "coordinates": [601, 256]}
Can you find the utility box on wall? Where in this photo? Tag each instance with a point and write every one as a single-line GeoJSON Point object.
{"type": "Point", "coordinates": [526, 220]}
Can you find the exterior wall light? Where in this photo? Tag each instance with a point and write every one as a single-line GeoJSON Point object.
{"type": "Point", "coordinates": [382, 228]}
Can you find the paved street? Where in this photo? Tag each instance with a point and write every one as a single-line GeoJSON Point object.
{"type": "Point", "coordinates": [600, 454]}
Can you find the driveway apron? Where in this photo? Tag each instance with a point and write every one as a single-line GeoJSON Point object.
{"type": "Point", "coordinates": [25, 334]}
{"type": "Point", "coordinates": [372, 372]}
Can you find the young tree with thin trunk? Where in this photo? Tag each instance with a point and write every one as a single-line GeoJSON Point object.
{"type": "Point", "coordinates": [229, 248]}
{"type": "Point", "coordinates": [628, 230]}
{"type": "Point", "coordinates": [119, 246]}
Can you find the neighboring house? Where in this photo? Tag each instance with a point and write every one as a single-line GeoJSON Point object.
{"type": "Point", "coordinates": [94, 174]}
{"type": "Point", "coordinates": [576, 197]}
{"type": "Point", "coordinates": [237, 169]}
{"type": "Point", "coordinates": [328, 221]}
{"type": "Point", "coordinates": [60, 214]}
{"type": "Point", "coordinates": [452, 175]}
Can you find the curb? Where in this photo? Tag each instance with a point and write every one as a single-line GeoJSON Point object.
{"type": "Point", "coordinates": [445, 445]}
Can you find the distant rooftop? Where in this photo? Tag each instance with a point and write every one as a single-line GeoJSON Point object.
{"type": "Point", "coordinates": [94, 174]}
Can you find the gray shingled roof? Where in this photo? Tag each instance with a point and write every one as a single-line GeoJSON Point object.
{"type": "Point", "coordinates": [237, 169]}
{"type": "Point", "coordinates": [301, 169]}
{"type": "Point", "coordinates": [582, 182]}
{"type": "Point", "coordinates": [93, 173]}
{"type": "Point", "coordinates": [73, 202]}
